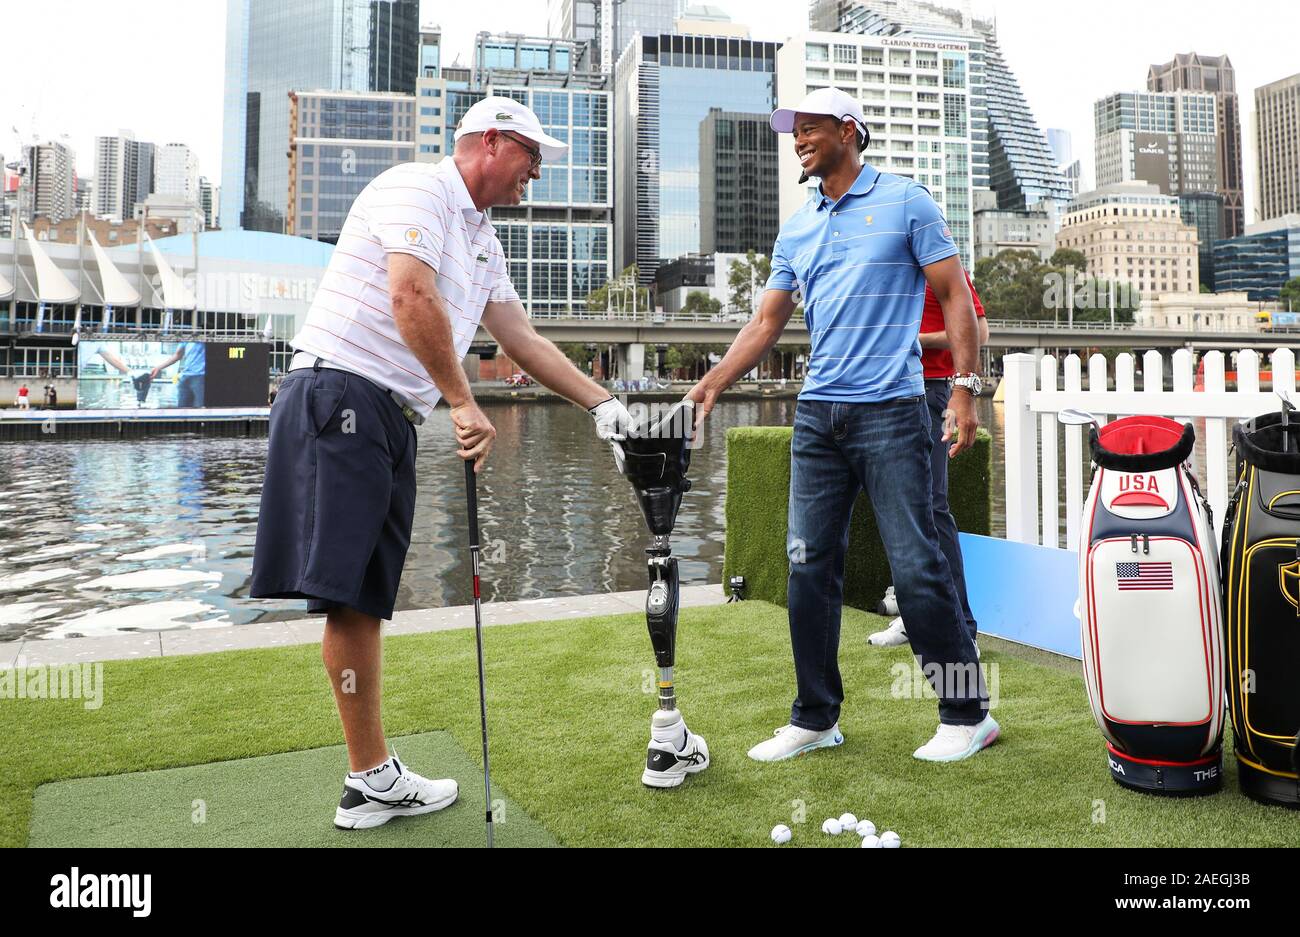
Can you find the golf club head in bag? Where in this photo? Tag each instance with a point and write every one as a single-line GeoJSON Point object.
{"type": "Point", "coordinates": [655, 457]}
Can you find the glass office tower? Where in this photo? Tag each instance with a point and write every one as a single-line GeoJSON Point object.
{"type": "Point", "coordinates": [277, 46]}
{"type": "Point", "coordinates": [669, 83]}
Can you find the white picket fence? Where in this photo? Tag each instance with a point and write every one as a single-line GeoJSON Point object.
{"type": "Point", "coordinates": [1035, 393]}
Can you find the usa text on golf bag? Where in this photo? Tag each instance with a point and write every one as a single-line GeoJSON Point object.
{"type": "Point", "coordinates": [1150, 609]}
{"type": "Point", "coordinates": [1261, 572]}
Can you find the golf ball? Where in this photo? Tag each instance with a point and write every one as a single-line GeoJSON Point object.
{"type": "Point", "coordinates": [866, 828]}
{"type": "Point", "coordinates": [871, 842]}
{"type": "Point", "coordinates": [890, 840]}
{"type": "Point", "coordinates": [832, 826]}
{"type": "Point", "coordinates": [848, 821]}
{"type": "Point", "coordinates": [780, 834]}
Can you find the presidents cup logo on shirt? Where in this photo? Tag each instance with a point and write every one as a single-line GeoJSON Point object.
{"type": "Point", "coordinates": [412, 236]}
{"type": "Point", "coordinates": [946, 233]}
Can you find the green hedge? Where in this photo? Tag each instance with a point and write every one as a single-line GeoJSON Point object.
{"type": "Point", "coordinates": [758, 494]}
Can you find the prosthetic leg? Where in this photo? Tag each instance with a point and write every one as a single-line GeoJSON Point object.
{"type": "Point", "coordinates": [655, 459]}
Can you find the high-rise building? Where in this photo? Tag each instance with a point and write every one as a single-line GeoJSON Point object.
{"type": "Point", "coordinates": [557, 241]}
{"type": "Point", "coordinates": [1008, 151]}
{"type": "Point", "coordinates": [49, 187]}
{"type": "Point", "coordinates": [82, 191]}
{"type": "Point", "coordinates": [1204, 210]}
{"type": "Point", "coordinates": [915, 98]}
{"type": "Point", "coordinates": [1261, 260]}
{"type": "Point", "coordinates": [431, 140]}
{"type": "Point", "coordinates": [667, 84]}
{"type": "Point", "coordinates": [277, 46]}
{"type": "Point", "coordinates": [1008, 229]}
{"type": "Point", "coordinates": [1213, 74]}
{"type": "Point", "coordinates": [1166, 138]}
{"type": "Point", "coordinates": [338, 142]}
{"type": "Point", "coordinates": [177, 172]}
{"type": "Point", "coordinates": [209, 202]}
{"type": "Point", "coordinates": [607, 26]}
{"type": "Point", "coordinates": [124, 175]}
{"type": "Point", "coordinates": [1277, 147]}
{"type": "Point", "coordinates": [1071, 169]}
{"type": "Point", "coordinates": [737, 178]}
{"type": "Point", "coordinates": [1169, 139]}
{"type": "Point", "coordinates": [1131, 232]}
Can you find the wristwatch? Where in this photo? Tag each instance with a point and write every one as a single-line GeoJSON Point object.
{"type": "Point", "coordinates": [969, 382]}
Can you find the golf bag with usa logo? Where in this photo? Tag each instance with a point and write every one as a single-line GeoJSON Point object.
{"type": "Point", "coordinates": [1261, 592]}
{"type": "Point", "coordinates": [1149, 609]}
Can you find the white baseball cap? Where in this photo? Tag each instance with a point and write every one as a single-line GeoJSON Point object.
{"type": "Point", "coordinates": [829, 101]}
{"type": "Point", "coordinates": [509, 114]}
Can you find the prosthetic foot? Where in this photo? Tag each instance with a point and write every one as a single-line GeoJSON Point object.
{"type": "Point", "coordinates": [655, 458]}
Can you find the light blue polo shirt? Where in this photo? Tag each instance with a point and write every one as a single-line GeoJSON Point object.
{"type": "Point", "coordinates": [858, 263]}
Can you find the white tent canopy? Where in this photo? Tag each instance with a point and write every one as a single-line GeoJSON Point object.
{"type": "Point", "coordinates": [51, 285]}
{"type": "Point", "coordinates": [117, 291]}
{"type": "Point", "coordinates": [176, 295]}
{"type": "Point", "coordinates": [6, 288]}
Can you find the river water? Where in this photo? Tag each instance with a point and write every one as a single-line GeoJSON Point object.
{"type": "Point", "coordinates": [103, 537]}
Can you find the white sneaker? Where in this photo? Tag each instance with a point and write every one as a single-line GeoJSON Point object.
{"type": "Point", "coordinates": [892, 636]}
{"type": "Point", "coordinates": [889, 604]}
{"type": "Point", "coordinates": [790, 740]}
{"type": "Point", "coordinates": [374, 797]}
{"type": "Point", "coordinates": [675, 751]}
{"type": "Point", "coordinates": [953, 743]}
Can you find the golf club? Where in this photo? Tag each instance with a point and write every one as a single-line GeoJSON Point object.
{"type": "Point", "coordinates": [471, 498]}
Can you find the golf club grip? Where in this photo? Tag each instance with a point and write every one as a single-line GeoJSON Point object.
{"type": "Point", "coordinates": [471, 498]}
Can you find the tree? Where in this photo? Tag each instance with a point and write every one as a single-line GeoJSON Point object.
{"type": "Point", "coordinates": [699, 303]}
{"type": "Point", "coordinates": [1068, 257]}
{"type": "Point", "coordinates": [599, 300]}
{"type": "Point", "coordinates": [754, 267]}
{"type": "Point", "coordinates": [1011, 285]}
{"type": "Point", "coordinates": [579, 353]}
{"type": "Point", "coordinates": [1289, 296]}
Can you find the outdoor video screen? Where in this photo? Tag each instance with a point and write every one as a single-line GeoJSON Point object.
{"type": "Point", "coordinates": [121, 375]}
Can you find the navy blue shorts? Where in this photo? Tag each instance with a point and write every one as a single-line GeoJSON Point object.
{"type": "Point", "coordinates": [339, 495]}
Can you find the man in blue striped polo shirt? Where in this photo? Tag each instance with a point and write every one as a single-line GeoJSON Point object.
{"type": "Point", "coordinates": [861, 252]}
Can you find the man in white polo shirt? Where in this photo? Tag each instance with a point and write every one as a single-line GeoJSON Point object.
{"type": "Point", "coordinates": [417, 267]}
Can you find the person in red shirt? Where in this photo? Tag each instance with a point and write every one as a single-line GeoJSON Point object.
{"type": "Point", "coordinates": [22, 401]}
{"type": "Point", "coordinates": [936, 359]}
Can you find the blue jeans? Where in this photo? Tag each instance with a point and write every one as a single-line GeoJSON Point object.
{"type": "Point", "coordinates": [840, 449]}
{"type": "Point", "coordinates": [189, 393]}
{"type": "Point", "coordinates": [937, 393]}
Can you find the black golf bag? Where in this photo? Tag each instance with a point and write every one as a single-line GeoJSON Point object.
{"type": "Point", "coordinates": [1151, 622]}
{"type": "Point", "coordinates": [1261, 593]}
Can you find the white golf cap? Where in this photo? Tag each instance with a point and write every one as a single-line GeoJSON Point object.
{"type": "Point", "coordinates": [509, 114]}
{"type": "Point", "coordinates": [829, 101]}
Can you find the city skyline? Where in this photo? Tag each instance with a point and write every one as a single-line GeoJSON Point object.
{"type": "Point", "coordinates": [190, 111]}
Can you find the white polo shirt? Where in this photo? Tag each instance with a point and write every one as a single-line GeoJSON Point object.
{"type": "Point", "coordinates": [424, 210]}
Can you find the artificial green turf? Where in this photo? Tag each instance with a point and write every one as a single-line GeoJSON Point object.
{"type": "Point", "coordinates": [274, 800]}
{"type": "Point", "coordinates": [569, 704]}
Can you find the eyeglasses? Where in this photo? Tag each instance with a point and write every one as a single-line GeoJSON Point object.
{"type": "Point", "coordinates": [535, 155]}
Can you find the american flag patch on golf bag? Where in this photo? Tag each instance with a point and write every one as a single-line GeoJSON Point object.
{"type": "Point", "coordinates": [1144, 576]}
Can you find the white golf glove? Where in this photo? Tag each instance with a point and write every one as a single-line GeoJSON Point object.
{"type": "Point", "coordinates": [612, 420]}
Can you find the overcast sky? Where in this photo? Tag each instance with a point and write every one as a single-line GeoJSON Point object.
{"type": "Point", "coordinates": [90, 67]}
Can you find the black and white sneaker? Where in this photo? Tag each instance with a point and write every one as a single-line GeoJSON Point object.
{"type": "Point", "coordinates": [372, 798]}
{"type": "Point", "coordinates": [675, 751]}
